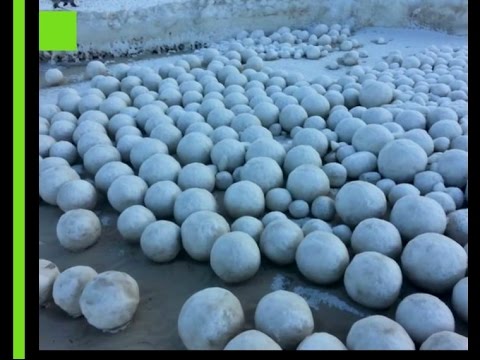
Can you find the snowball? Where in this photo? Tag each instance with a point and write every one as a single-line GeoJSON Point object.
{"type": "Point", "coordinates": [265, 147]}
{"type": "Point", "coordinates": [301, 155]}
{"type": "Point", "coordinates": [50, 162]}
{"type": "Point", "coordinates": [306, 182]}
{"type": "Point", "coordinates": [267, 113]}
{"type": "Point", "coordinates": [132, 221]}
{"type": "Point", "coordinates": [54, 77]}
{"type": "Point", "coordinates": [159, 167]}
{"type": "Point", "coordinates": [285, 317]}
{"type": "Point", "coordinates": [359, 163]}
{"type": "Point", "coordinates": [460, 299]}
{"type": "Point", "coordinates": [109, 172]}
{"type": "Point", "coordinates": [359, 200]}
{"type": "Point", "coordinates": [453, 166]}
{"type": "Point", "coordinates": [45, 142]}
{"type": "Point", "coordinates": [264, 172]}
{"type": "Point", "coordinates": [252, 340]}
{"type": "Point", "coordinates": [209, 319]}
{"type": "Point", "coordinates": [315, 104]}
{"type": "Point", "coordinates": [68, 288]}
{"type": "Point", "coordinates": [77, 194]}
{"type": "Point", "coordinates": [160, 198]}
{"type": "Point", "coordinates": [279, 241]}
{"type": "Point", "coordinates": [322, 257]}
{"type": "Point", "coordinates": [191, 201]}
{"type": "Point", "coordinates": [110, 300]}
{"type": "Point", "coordinates": [371, 138]}
{"type": "Point", "coordinates": [95, 68]}
{"type": "Point", "coordinates": [434, 262]}
{"type": "Point", "coordinates": [411, 119]}
{"type": "Point", "coordinates": [125, 191]}
{"type": "Point", "coordinates": [425, 181]}
{"type": "Point", "coordinates": [376, 235]}
{"type": "Point", "coordinates": [445, 340]}
{"type": "Point", "coordinates": [457, 226]}
{"type": "Point", "coordinates": [89, 140]}
{"type": "Point", "coordinates": [413, 215]}
{"type": "Point", "coordinates": [377, 293]}
{"type": "Point", "coordinates": [377, 332]}
{"type": "Point", "coordinates": [401, 190]}
{"type": "Point", "coordinates": [228, 154]}
{"type": "Point", "coordinates": [375, 93]}
{"type": "Point", "coordinates": [298, 209]}
{"type": "Point", "coordinates": [423, 315]}
{"type": "Point", "coordinates": [292, 115]}
{"type": "Point", "coordinates": [78, 229]}
{"type": "Point", "coordinates": [194, 147]}
{"type": "Point", "coordinates": [144, 149]}
{"type": "Point", "coordinates": [51, 180]}
{"type": "Point", "coordinates": [65, 150]}
{"type": "Point", "coordinates": [336, 173]}
{"type": "Point", "coordinates": [160, 241]}
{"type": "Point", "coordinates": [313, 137]}
{"type": "Point", "coordinates": [47, 274]}
{"type": "Point", "coordinates": [321, 341]}
{"type": "Point", "coordinates": [244, 198]}
{"type": "Point", "coordinates": [249, 225]}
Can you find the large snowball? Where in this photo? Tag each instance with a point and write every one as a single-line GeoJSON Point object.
{"type": "Point", "coordinates": [378, 332]}
{"type": "Point", "coordinates": [160, 241]}
{"type": "Point", "coordinates": [321, 341]}
{"type": "Point", "coordinates": [279, 241]}
{"type": "Point", "coordinates": [285, 317]}
{"type": "Point", "coordinates": [244, 198]}
{"type": "Point", "coordinates": [373, 280]}
{"type": "Point", "coordinates": [191, 201]}
{"type": "Point", "coordinates": [263, 171]}
{"type": "Point", "coordinates": [69, 286]}
{"type": "Point", "coordinates": [52, 179]}
{"type": "Point", "coordinates": [249, 225]}
{"type": "Point", "coordinates": [47, 274]}
{"type": "Point", "coordinates": [322, 257]}
{"type": "Point", "coordinates": [110, 300]}
{"type": "Point", "coordinates": [360, 200]}
{"type": "Point", "coordinates": [125, 191]}
{"type": "Point", "coordinates": [400, 160]}
{"type": "Point", "coordinates": [453, 166]}
{"type": "Point", "coordinates": [160, 198]}
{"type": "Point", "coordinates": [377, 235]}
{"type": "Point", "coordinates": [307, 182]}
{"type": "Point", "coordinates": [252, 340]}
{"type": "Point", "coordinates": [413, 215]}
{"type": "Point", "coordinates": [445, 340]}
{"type": "Point", "coordinates": [209, 319]}
{"type": "Point", "coordinates": [109, 172]}
{"type": "Point", "coordinates": [194, 147]}
{"type": "Point", "coordinates": [132, 222]}
{"type": "Point", "coordinates": [199, 232]}
{"type": "Point", "coordinates": [77, 194]}
{"type": "Point", "coordinates": [375, 93]}
{"type": "Point", "coordinates": [228, 154]}
{"type": "Point", "coordinates": [235, 257]}
{"type": "Point", "coordinates": [78, 229]}
{"type": "Point", "coordinates": [422, 315]}
{"type": "Point", "coordinates": [434, 262]}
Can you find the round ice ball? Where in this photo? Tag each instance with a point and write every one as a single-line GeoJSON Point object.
{"type": "Point", "coordinates": [132, 222]}
{"type": "Point", "coordinates": [336, 173]}
{"type": "Point", "coordinates": [306, 182]}
{"type": "Point", "coordinates": [191, 201]}
{"type": "Point", "coordinates": [78, 229]}
{"type": "Point", "coordinates": [413, 215]}
{"type": "Point", "coordinates": [263, 171]}
{"type": "Point", "coordinates": [249, 225]}
{"type": "Point", "coordinates": [360, 200]}
{"type": "Point", "coordinates": [110, 300]}
{"type": "Point", "coordinates": [99, 155]}
{"type": "Point", "coordinates": [460, 299]}
{"type": "Point", "coordinates": [144, 149]}
{"type": "Point", "coordinates": [373, 280]}
{"type": "Point", "coordinates": [285, 317]}
{"type": "Point", "coordinates": [47, 274]}
{"type": "Point", "coordinates": [244, 198]}
{"type": "Point", "coordinates": [278, 199]}
{"type": "Point", "coordinates": [400, 160]}
{"type": "Point", "coordinates": [377, 332]}
{"type": "Point", "coordinates": [279, 241]}
{"type": "Point", "coordinates": [453, 166]}
{"type": "Point", "coordinates": [160, 241]}
{"type": "Point", "coordinates": [95, 68]}
{"type": "Point", "coordinates": [54, 77]}
{"type": "Point", "coordinates": [371, 138]}
{"type": "Point", "coordinates": [375, 93]}
{"type": "Point", "coordinates": [235, 257]}
{"type": "Point", "coordinates": [209, 319]}
{"type": "Point", "coordinates": [434, 262]}
{"type": "Point", "coordinates": [301, 155]}
{"type": "Point", "coordinates": [196, 175]}
{"type": "Point", "coordinates": [445, 340]}
{"type": "Point", "coordinates": [64, 150]}
{"type": "Point", "coordinates": [292, 115]}
{"type": "Point", "coordinates": [321, 341]}
{"type": "Point", "coordinates": [422, 315]}
{"type": "Point", "coordinates": [109, 172]}
{"type": "Point", "coordinates": [228, 154]}
{"type": "Point", "coordinates": [125, 191]}
{"type": "Point", "coordinates": [252, 340]}
{"type": "Point", "coordinates": [68, 288]}
{"type": "Point", "coordinates": [322, 257]}
{"type": "Point", "coordinates": [199, 232]}
{"type": "Point", "coordinates": [457, 226]}
{"type": "Point", "coordinates": [77, 194]}
{"type": "Point", "coordinates": [52, 179]}
{"type": "Point", "coordinates": [377, 235]}
{"type": "Point", "coordinates": [159, 167]}
{"type": "Point", "coordinates": [194, 147]}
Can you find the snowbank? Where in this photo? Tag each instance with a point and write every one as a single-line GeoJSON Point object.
{"type": "Point", "coordinates": [128, 27]}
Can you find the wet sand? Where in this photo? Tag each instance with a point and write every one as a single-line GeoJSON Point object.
{"type": "Point", "coordinates": [165, 287]}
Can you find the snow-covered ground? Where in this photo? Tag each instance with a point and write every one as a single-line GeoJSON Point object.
{"type": "Point", "coordinates": [126, 27]}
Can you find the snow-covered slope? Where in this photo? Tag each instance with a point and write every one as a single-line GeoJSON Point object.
{"type": "Point", "coordinates": [125, 27]}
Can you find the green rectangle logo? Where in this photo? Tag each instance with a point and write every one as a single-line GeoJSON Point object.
{"type": "Point", "coordinates": [58, 30]}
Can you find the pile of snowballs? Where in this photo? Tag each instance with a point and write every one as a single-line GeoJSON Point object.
{"type": "Point", "coordinates": [362, 179]}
